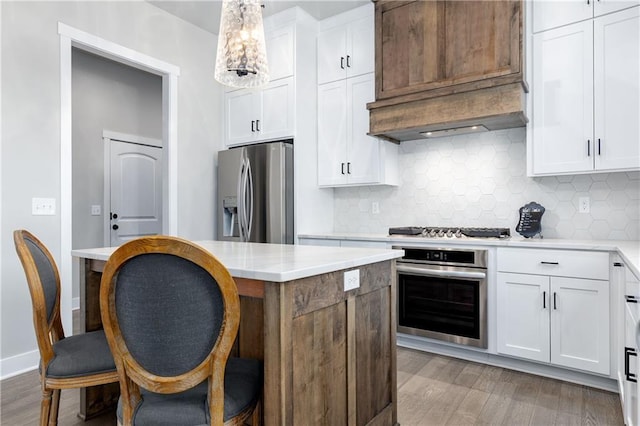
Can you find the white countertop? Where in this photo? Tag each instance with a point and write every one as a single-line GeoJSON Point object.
{"type": "Point", "coordinates": [275, 262]}
{"type": "Point", "coordinates": [629, 251]}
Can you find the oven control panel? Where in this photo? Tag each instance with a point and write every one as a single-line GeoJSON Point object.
{"type": "Point", "coordinates": [442, 256]}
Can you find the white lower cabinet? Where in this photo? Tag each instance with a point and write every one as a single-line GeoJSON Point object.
{"type": "Point", "coordinates": [561, 320]}
{"type": "Point", "coordinates": [628, 364]}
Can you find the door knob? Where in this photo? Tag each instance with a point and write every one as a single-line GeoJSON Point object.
{"type": "Point", "coordinates": [115, 227]}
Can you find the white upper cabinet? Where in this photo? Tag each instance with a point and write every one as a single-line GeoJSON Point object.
{"type": "Point", "coordinates": [253, 115]}
{"type": "Point", "coordinates": [552, 14]}
{"type": "Point", "coordinates": [586, 103]}
{"type": "Point", "coordinates": [617, 90]}
{"type": "Point", "coordinates": [346, 50]}
{"type": "Point", "coordinates": [563, 99]}
{"type": "Point", "coordinates": [346, 154]}
{"type": "Point", "coordinates": [280, 53]}
{"type": "Point", "coordinates": [257, 115]}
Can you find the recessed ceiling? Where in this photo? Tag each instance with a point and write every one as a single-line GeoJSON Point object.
{"type": "Point", "coordinates": [206, 13]}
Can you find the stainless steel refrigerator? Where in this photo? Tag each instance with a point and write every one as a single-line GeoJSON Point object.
{"type": "Point", "coordinates": [255, 193]}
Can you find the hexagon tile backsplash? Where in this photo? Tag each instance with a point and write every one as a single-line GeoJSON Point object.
{"type": "Point", "coordinates": [480, 180]}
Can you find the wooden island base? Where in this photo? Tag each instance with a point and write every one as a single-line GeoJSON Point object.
{"type": "Point", "coordinates": [329, 355]}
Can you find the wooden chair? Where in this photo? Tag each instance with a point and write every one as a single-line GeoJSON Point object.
{"type": "Point", "coordinates": [73, 362]}
{"type": "Point", "coordinates": [171, 312]}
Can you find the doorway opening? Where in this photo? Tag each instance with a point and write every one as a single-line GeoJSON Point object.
{"type": "Point", "coordinates": [73, 38]}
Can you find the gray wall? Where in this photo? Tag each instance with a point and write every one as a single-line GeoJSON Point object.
{"type": "Point", "coordinates": [480, 180]}
{"type": "Point", "coordinates": [30, 81]}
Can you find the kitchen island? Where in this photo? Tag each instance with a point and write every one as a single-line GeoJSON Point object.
{"type": "Point", "coordinates": [329, 354]}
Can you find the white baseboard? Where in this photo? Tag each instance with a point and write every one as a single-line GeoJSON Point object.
{"type": "Point", "coordinates": [75, 303]}
{"type": "Point", "coordinates": [19, 364]}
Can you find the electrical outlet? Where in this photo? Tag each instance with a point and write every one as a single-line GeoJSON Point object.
{"type": "Point", "coordinates": [375, 207]}
{"type": "Point", "coordinates": [96, 210]}
{"type": "Point", "coordinates": [584, 205]}
{"type": "Point", "coordinates": [43, 206]}
{"type": "Point", "coordinates": [351, 279]}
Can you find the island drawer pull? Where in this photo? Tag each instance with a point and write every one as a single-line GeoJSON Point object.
{"type": "Point", "coordinates": [549, 263]}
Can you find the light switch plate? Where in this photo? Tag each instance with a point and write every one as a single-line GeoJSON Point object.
{"type": "Point", "coordinates": [96, 210]}
{"type": "Point", "coordinates": [351, 279]}
{"type": "Point", "coordinates": [43, 206]}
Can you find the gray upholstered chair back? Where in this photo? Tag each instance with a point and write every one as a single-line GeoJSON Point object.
{"type": "Point", "coordinates": [47, 274]}
{"type": "Point", "coordinates": [169, 310]}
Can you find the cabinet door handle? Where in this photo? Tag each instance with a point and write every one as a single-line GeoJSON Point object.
{"type": "Point", "coordinates": [631, 377]}
{"type": "Point", "coordinates": [588, 147]}
{"type": "Point", "coordinates": [348, 63]}
{"type": "Point", "coordinates": [342, 167]}
{"type": "Point", "coordinates": [598, 146]}
{"type": "Point", "coordinates": [588, 2]}
{"type": "Point", "coordinates": [631, 299]}
{"type": "Point", "coordinates": [549, 263]}
{"type": "Point", "coordinates": [554, 301]}
{"type": "Point", "coordinates": [618, 264]}
{"type": "Point", "coordinates": [544, 300]}
{"type": "Point", "coordinates": [342, 62]}
{"type": "Point", "coordinates": [348, 168]}
{"type": "Point", "coordinates": [257, 125]}
{"type": "Point", "coordinates": [252, 125]}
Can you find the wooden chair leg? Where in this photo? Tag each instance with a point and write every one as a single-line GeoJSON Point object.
{"type": "Point", "coordinates": [55, 403]}
{"type": "Point", "coordinates": [45, 407]}
{"type": "Point", "coordinates": [256, 417]}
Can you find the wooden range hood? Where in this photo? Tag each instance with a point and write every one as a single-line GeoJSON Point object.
{"type": "Point", "coordinates": [447, 65]}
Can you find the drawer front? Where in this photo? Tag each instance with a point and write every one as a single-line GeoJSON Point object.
{"type": "Point", "coordinates": [563, 263]}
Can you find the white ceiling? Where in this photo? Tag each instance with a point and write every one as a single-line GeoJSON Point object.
{"type": "Point", "coordinates": [206, 13]}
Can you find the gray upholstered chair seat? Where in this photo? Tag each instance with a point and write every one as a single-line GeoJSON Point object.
{"type": "Point", "coordinates": [242, 387]}
{"type": "Point", "coordinates": [80, 355]}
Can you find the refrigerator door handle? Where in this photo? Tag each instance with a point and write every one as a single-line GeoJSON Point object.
{"type": "Point", "coordinates": [241, 199]}
{"type": "Point", "coordinates": [249, 208]}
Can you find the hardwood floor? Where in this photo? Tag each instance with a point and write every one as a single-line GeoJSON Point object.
{"type": "Point", "coordinates": [432, 390]}
{"type": "Point", "coordinates": [437, 390]}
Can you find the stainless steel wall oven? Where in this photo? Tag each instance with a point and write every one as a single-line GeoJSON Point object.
{"type": "Point", "coordinates": [442, 294]}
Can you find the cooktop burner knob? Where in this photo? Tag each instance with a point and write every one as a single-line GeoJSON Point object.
{"type": "Point", "coordinates": [458, 233]}
{"type": "Point", "coordinates": [449, 233]}
{"type": "Point", "coordinates": [441, 233]}
{"type": "Point", "coordinates": [433, 233]}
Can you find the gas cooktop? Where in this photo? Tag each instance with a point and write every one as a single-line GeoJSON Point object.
{"type": "Point", "coordinates": [450, 232]}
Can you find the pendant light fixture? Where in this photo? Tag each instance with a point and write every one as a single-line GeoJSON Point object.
{"type": "Point", "coordinates": [241, 60]}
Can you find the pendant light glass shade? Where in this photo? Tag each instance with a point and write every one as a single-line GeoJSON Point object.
{"type": "Point", "coordinates": [241, 60]}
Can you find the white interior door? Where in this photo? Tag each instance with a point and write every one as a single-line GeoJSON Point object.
{"type": "Point", "coordinates": [135, 193]}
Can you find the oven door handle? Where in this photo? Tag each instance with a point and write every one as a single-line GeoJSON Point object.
{"type": "Point", "coordinates": [440, 273]}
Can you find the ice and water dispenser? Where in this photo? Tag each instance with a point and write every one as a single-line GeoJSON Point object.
{"type": "Point", "coordinates": [230, 217]}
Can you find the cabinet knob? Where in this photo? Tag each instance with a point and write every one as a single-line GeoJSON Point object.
{"type": "Point", "coordinates": [115, 227]}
